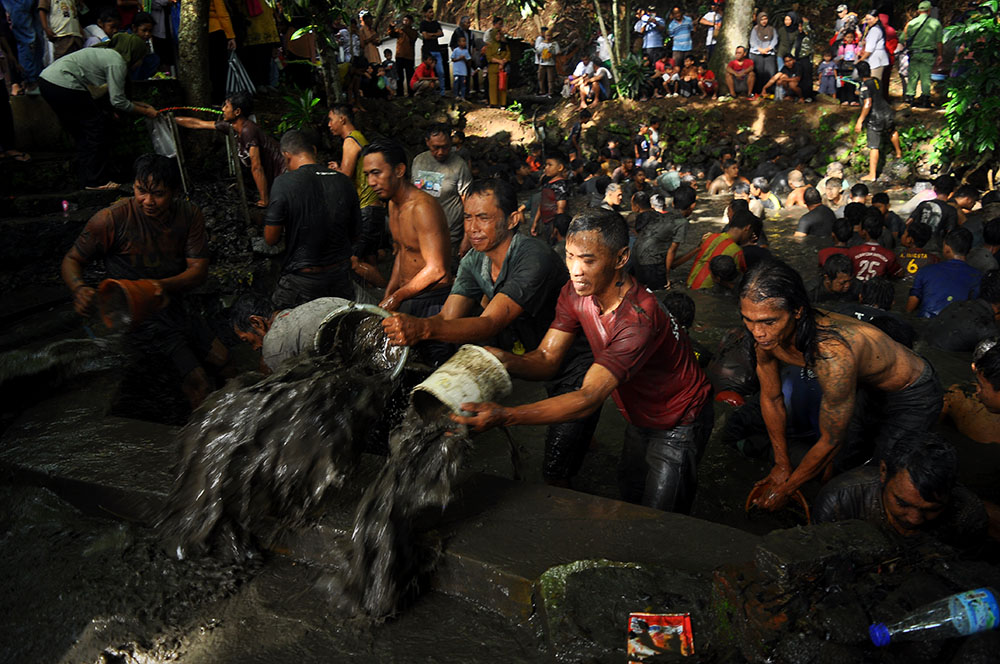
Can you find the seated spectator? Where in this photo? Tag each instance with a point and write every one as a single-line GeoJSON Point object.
{"type": "Point", "coordinates": [724, 183]}
{"type": "Point", "coordinates": [914, 490]}
{"type": "Point", "coordinates": [706, 82]}
{"type": "Point", "coordinates": [975, 411]}
{"type": "Point", "coordinates": [953, 280]}
{"type": "Point", "coordinates": [760, 189]}
{"type": "Point", "coordinates": [786, 82]}
{"type": "Point", "coordinates": [659, 235]}
{"type": "Point", "coordinates": [843, 231]}
{"type": "Point", "coordinates": [584, 70]}
{"type": "Point", "coordinates": [818, 220]}
{"type": "Point", "coordinates": [718, 244]}
{"type": "Point", "coordinates": [913, 256]}
{"type": "Point", "coordinates": [938, 213]}
{"type": "Point", "coordinates": [596, 88]}
{"type": "Point", "coordinates": [986, 256]}
{"type": "Point", "coordinates": [961, 325]}
{"type": "Point", "coordinates": [836, 282]}
{"type": "Point", "coordinates": [798, 188]}
{"type": "Point", "coordinates": [871, 259]}
{"type": "Point", "coordinates": [893, 222]}
{"type": "Point", "coordinates": [740, 76]}
{"type": "Point", "coordinates": [424, 77]}
{"type": "Point", "coordinates": [725, 276]}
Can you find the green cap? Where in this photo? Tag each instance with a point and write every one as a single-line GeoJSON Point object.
{"type": "Point", "coordinates": [924, 6]}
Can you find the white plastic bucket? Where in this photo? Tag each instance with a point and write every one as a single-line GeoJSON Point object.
{"type": "Point", "coordinates": [336, 333]}
{"type": "Point", "coordinates": [471, 375]}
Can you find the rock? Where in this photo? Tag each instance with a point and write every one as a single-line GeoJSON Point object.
{"type": "Point", "coordinates": [790, 555]}
{"type": "Point", "coordinates": [842, 151]}
{"type": "Point", "coordinates": [896, 172]}
{"type": "Point", "coordinates": [804, 154]}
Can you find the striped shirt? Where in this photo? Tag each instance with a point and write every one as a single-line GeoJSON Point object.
{"type": "Point", "coordinates": [716, 244]}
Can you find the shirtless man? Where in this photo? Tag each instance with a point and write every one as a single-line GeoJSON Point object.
{"type": "Point", "coordinates": [845, 354]}
{"type": "Point", "coordinates": [420, 279]}
{"type": "Point", "coordinates": [724, 183]}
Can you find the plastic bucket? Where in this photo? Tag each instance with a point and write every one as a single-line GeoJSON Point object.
{"type": "Point", "coordinates": [125, 303]}
{"type": "Point", "coordinates": [471, 375]}
{"type": "Point", "coordinates": [354, 332]}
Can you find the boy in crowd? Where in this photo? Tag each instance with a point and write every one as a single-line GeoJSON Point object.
{"type": "Point", "coordinates": [555, 196]}
{"type": "Point", "coordinates": [843, 231]}
{"type": "Point", "coordinates": [952, 280]}
{"type": "Point", "coordinates": [871, 259]}
{"type": "Point", "coordinates": [461, 61]}
{"type": "Point", "coordinates": [913, 256]}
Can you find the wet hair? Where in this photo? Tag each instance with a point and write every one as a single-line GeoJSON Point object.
{"type": "Point", "coordinates": [756, 227]}
{"type": "Point", "coordinates": [864, 69]}
{"type": "Point", "coordinates": [777, 281]}
{"type": "Point", "coordinates": [297, 142]}
{"type": "Point", "coordinates": [991, 231]}
{"type": "Point", "coordinates": [561, 222]}
{"type": "Point", "coordinates": [880, 198]}
{"type": "Point", "coordinates": [931, 462]}
{"type": "Point", "coordinates": [859, 190]}
{"type": "Point", "coordinates": [143, 18]}
{"type": "Point", "coordinates": [612, 188]}
{"type": "Point", "coordinates": [741, 219]}
{"type": "Point", "coordinates": [684, 197]}
{"type": "Point", "coordinates": [843, 230]}
{"type": "Point", "coordinates": [502, 191]}
{"type": "Point", "coordinates": [960, 241]}
{"type": "Point", "coordinates": [157, 169]}
{"type": "Point", "coordinates": [247, 304]}
{"type": "Point", "coordinates": [609, 226]}
{"type": "Point", "coordinates": [834, 182]}
{"type": "Point", "coordinates": [762, 184]}
{"type": "Point", "coordinates": [437, 129]}
{"type": "Point", "coordinates": [601, 184]}
{"type": "Point", "coordinates": [855, 213]}
{"type": "Point", "coordinates": [877, 292]}
{"type": "Point", "coordinates": [896, 329]}
{"type": "Point", "coordinates": [967, 191]}
{"type": "Point", "coordinates": [872, 224]}
{"type": "Point", "coordinates": [592, 168]}
{"type": "Point", "coordinates": [241, 101]}
{"type": "Point", "coordinates": [641, 200]}
{"type": "Point", "coordinates": [729, 163]}
{"type": "Point", "coordinates": [811, 196]}
{"type": "Point", "coordinates": [558, 157]}
{"type": "Point", "coordinates": [919, 232]}
{"type": "Point", "coordinates": [723, 268]}
{"type": "Point", "coordinates": [944, 184]}
{"type": "Point", "coordinates": [391, 151]}
{"type": "Point", "coordinates": [989, 287]}
{"type": "Point", "coordinates": [741, 188]}
{"type": "Point", "coordinates": [738, 205]}
{"type": "Point", "coordinates": [681, 308]}
{"type": "Point", "coordinates": [988, 364]}
{"type": "Point", "coordinates": [585, 114]}
{"type": "Point", "coordinates": [343, 110]}
{"type": "Point", "coordinates": [836, 265]}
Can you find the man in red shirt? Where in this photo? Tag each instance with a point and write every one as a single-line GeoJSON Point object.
{"type": "Point", "coordinates": [740, 74]}
{"type": "Point", "coordinates": [642, 358]}
{"type": "Point", "coordinates": [872, 259]}
{"type": "Point", "coordinates": [425, 76]}
{"type": "Point", "coordinates": [843, 231]}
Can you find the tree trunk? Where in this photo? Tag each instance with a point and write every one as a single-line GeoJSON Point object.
{"type": "Point", "coordinates": [604, 33]}
{"type": "Point", "coordinates": [328, 64]}
{"type": "Point", "coordinates": [735, 32]}
{"type": "Point", "coordinates": [192, 63]}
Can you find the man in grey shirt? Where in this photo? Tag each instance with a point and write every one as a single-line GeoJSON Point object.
{"type": "Point", "coordinates": [445, 176]}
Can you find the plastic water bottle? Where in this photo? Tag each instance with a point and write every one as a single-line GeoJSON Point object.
{"type": "Point", "coordinates": [957, 615]}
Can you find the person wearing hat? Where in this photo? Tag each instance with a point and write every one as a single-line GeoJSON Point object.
{"type": "Point", "coordinates": [66, 84]}
{"type": "Point", "coordinates": [923, 41]}
{"type": "Point", "coordinates": [847, 21]}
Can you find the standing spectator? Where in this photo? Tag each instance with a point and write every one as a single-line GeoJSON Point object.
{"type": "Point", "coordinates": [803, 53]}
{"type": "Point", "coordinates": [953, 280]}
{"type": "Point", "coordinates": [878, 117]}
{"type": "Point", "coordinates": [788, 36]}
{"type": "Point", "coordinates": [221, 41]}
{"type": "Point", "coordinates": [164, 41]}
{"type": "Point", "coordinates": [847, 56]}
{"type": "Point", "coordinates": [828, 75]}
{"type": "Point", "coordinates": [474, 46]}
{"type": "Point", "coordinates": [555, 196]}
{"type": "Point", "coordinates": [497, 57]}
{"type": "Point", "coordinates": [406, 37]}
{"type": "Point", "coordinates": [763, 41]}
{"type": "Point", "coordinates": [369, 38]}
{"type": "Point", "coordinates": [922, 39]}
{"type": "Point", "coordinates": [546, 50]}
{"type": "Point", "coordinates": [26, 25]}
{"type": "Point", "coordinates": [713, 20]}
{"type": "Point", "coordinates": [873, 49]}
{"type": "Point", "coordinates": [461, 61]}
{"type": "Point", "coordinates": [61, 25]}
{"type": "Point", "coordinates": [430, 31]}
{"type": "Point", "coordinates": [651, 27]}
{"type": "Point", "coordinates": [740, 74]}
{"type": "Point", "coordinates": [257, 46]}
{"type": "Point", "coordinates": [679, 29]}
{"type": "Point", "coordinates": [444, 175]}
{"type": "Point", "coordinates": [847, 23]}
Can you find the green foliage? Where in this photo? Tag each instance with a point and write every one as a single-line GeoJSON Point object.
{"type": "Point", "coordinates": [517, 108]}
{"type": "Point", "coordinates": [303, 110]}
{"type": "Point", "coordinates": [972, 131]}
{"type": "Point", "coordinates": [685, 136]}
{"type": "Point", "coordinates": [631, 75]}
{"type": "Point", "coordinates": [913, 139]}
{"type": "Point", "coordinates": [526, 65]}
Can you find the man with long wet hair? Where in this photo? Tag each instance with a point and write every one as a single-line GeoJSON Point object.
{"type": "Point", "coordinates": [845, 354]}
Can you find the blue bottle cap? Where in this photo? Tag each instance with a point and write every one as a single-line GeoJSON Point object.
{"type": "Point", "coordinates": [880, 634]}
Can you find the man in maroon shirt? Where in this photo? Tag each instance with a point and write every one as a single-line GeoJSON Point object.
{"type": "Point", "coordinates": [872, 259]}
{"type": "Point", "coordinates": [642, 358]}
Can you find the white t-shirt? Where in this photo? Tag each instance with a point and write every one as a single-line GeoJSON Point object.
{"type": "Point", "coordinates": [546, 52]}
{"type": "Point", "coordinates": [293, 331]}
{"type": "Point", "coordinates": [875, 44]}
{"type": "Point", "coordinates": [713, 17]}
{"type": "Point", "coordinates": [603, 52]}
{"type": "Point", "coordinates": [583, 70]}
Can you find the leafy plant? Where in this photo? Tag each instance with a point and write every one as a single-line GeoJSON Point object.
{"type": "Point", "coordinates": [518, 108]}
{"type": "Point", "coordinates": [303, 110]}
{"type": "Point", "coordinates": [526, 66]}
{"type": "Point", "coordinates": [632, 75]}
{"type": "Point", "coordinates": [971, 129]}
{"type": "Point", "coordinates": [912, 140]}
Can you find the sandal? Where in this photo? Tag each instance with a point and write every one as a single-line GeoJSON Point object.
{"type": "Point", "coordinates": [16, 155]}
{"type": "Point", "coordinates": [105, 187]}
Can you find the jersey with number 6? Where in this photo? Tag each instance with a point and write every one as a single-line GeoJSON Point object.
{"type": "Point", "coordinates": [911, 260]}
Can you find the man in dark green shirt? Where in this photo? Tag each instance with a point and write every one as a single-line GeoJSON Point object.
{"type": "Point", "coordinates": [923, 40]}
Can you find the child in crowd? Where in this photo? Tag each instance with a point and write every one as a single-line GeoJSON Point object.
{"type": "Point", "coordinates": [828, 75]}
{"type": "Point", "coordinates": [706, 82]}
{"type": "Point", "coordinates": [461, 60]}
{"type": "Point", "coordinates": [659, 69]}
{"type": "Point", "coordinates": [847, 57]}
{"type": "Point", "coordinates": [671, 80]}
{"type": "Point", "coordinates": [688, 83]}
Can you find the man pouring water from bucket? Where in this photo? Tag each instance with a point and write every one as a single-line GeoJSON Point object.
{"type": "Point", "coordinates": [155, 250]}
{"type": "Point", "coordinates": [641, 357]}
{"type": "Point", "coordinates": [520, 278]}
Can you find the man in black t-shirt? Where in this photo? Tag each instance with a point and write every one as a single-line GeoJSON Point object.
{"type": "Point", "coordinates": [938, 213]}
{"type": "Point", "coordinates": [819, 219]}
{"type": "Point", "coordinates": [318, 214]}
{"type": "Point", "coordinates": [878, 117]}
{"type": "Point", "coordinates": [787, 81]}
{"type": "Point", "coordinates": [430, 30]}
